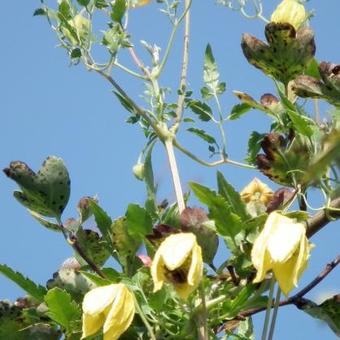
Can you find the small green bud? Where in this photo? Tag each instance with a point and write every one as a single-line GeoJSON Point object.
{"type": "Point", "coordinates": [81, 27]}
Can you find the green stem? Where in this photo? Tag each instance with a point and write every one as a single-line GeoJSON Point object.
{"type": "Point", "coordinates": [210, 164]}
{"type": "Point", "coordinates": [275, 311]}
{"type": "Point", "coordinates": [202, 317]}
{"type": "Point", "coordinates": [145, 321]}
{"type": "Point", "coordinates": [220, 125]}
{"type": "Point", "coordinates": [268, 310]}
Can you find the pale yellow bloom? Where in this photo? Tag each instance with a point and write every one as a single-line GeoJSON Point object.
{"type": "Point", "coordinates": [256, 195]}
{"type": "Point", "coordinates": [139, 3]}
{"type": "Point", "coordinates": [111, 307]}
{"type": "Point", "coordinates": [282, 246]}
{"type": "Point", "coordinates": [290, 11]}
{"type": "Point", "coordinates": [178, 261]}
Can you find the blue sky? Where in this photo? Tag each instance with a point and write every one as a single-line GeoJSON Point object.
{"type": "Point", "coordinates": [50, 108]}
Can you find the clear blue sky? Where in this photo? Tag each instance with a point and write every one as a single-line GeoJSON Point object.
{"type": "Point", "coordinates": [49, 108]}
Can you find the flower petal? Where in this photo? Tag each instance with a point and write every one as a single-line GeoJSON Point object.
{"type": "Point", "coordinates": [285, 239]}
{"type": "Point", "coordinates": [92, 324]}
{"type": "Point", "coordinates": [196, 267]}
{"type": "Point", "coordinates": [120, 315]}
{"type": "Point", "coordinates": [176, 248]}
{"type": "Point", "coordinates": [157, 271]}
{"type": "Point", "coordinates": [98, 299]}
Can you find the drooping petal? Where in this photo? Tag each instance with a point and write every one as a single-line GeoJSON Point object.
{"type": "Point", "coordinates": [157, 271]}
{"type": "Point", "coordinates": [98, 299]}
{"type": "Point", "coordinates": [92, 324]}
{"type": "Point", "coordinates": [120, 315]}
{"type": "Point", "coordinates": [285, 239]}
{"type": "Point", "coordinates": [196, 267]}
{"type": "Point", "coordinates": [176, 248]}
{"type": "Point", "coordinates": [263, 267]}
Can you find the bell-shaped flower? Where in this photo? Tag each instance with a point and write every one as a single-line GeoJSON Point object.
{"type": "Point", "coordinates": [111, 307]}
{"type": "Point", "coordinates": [178, 261]}
{"type": "Point", "coordinates": [256, 195]}
{"type": "Point", "coordinates": [291, 12]}
{"type": "Point", "coordinates": [282, 246]}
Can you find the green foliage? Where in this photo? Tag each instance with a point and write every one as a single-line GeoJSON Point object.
{"type": "Point", "coordinates": [45, 192]}
{"type": "Point", "coordinates": [36, 291]}
{"type": "Point", "coordinates": [63, 310]}
{"type": "Point", "coordinates": [138, 221]}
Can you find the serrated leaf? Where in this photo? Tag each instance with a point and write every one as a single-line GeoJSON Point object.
{"type": "Point", "coordinates": [103, 221]}
{"type": "Point", "coordinates": [254, 146]}
{"type": "Point", "coordinates": [203, 135]}
{"type": "Point", "coordinates": [61, 308]}
{"type": "Point", "coordinates": [203, 110]}
{"type": "Point", "coordinates": [138, 221]}
{"type": "Point", "coordinates": [232, 197]}
{"type": "Point", "coordinates": [228, 224]}
{"type": "Point", "coordinates": [118, 10]}
{"type": "Point", "coordinates": [239, 110]}
{"type": "Point", "coordinates": [210, 72]}
{"type": "Point", "coordinates": [301, 123]}
{"type": "Point", "coordinates": [31, 288]}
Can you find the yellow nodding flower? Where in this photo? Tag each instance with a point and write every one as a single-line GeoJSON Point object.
{"type": "Point", "coordinates": [282, 246]}
{"type": "Point", "coordinates": [139, 3]}
{"type": "Point", "coordinates": [178, 261]}
{"type": "Point", "coordinates": [111, 307]}
{"type": "Point", "coordinates": [290, 11]}
{"type": "Point", "coordinates": [256, 195]}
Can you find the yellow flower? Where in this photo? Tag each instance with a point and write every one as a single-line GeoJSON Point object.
{"type": "Point", "coordinates": [111, 307]}
{"type": "Point", "coordinates": [282, 246]}
{"type": "Point", "coordinates": [139, 3]}
{"type": "Point", "coordinates": [256, 195]}
{"type": "Point", "coordinates": [178, 261]}
{"type": "Point", "coordinates": [290, 11]}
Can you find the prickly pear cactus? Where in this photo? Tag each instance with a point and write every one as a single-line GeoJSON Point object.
{"type": "Point", "coordinates": [45, 192]}
{"type": "Point", "coordinates": [287, 55]}
{"type": "Point", "coordinates": [327, 88]}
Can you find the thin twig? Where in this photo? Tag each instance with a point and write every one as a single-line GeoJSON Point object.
{"type": "Point", "coordinates": [296, 299]}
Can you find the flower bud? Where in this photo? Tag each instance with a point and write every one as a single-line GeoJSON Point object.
{"type": "Point", "coordinates": [291, 12]}
{"type": "Point", "coordinates": [81, 26]}
{"type": "Point", "coordinates": [139, 171]}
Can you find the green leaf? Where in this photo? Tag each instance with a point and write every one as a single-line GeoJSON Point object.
{"type": "Point", "coordinates": [254, 146]}
{"type": "Point", "coordinates": [118, 10]}
{"type": "Point", "coordinates": [328, 311]}
{"type": "Point", "coordinates": [232, 197]}
{"type": "Point", "coordinates": [36, 291]}
{"type": "Point", "coordinates": [138, 221]}
{"type": "Point", "coordinates": [61, 308]}
{"type": "Point", "coordinates": [228, 224]}
{"type": "Point", "coordinates": [203, 110]}
{"type": "Point", "coordinates": [93, 246]}
{"type": "Point", "coordinates": [210, 72]}
{"type": "Point", "coordinates": [239, 110]}
{"type": "Point", "coordinates": [312, 69]}
{"type": "Point", "coordinates": [203, 135]}
{"type": "Point", "coordinates": [103, 221]}
{"type": "Point", "coordinates": [40, 11]}
{"type": "Point", "coordinates": [47, 224]}
{"type": "Point", "coordinates": [75, 53]}
{"type": "Point", "coordinates": [301, 123]}
{"type": "Point", "coordinates": [83, 2]}
{"type": "Point", "coordinates": [65, 10]}
{"type": "Point", "coordinates": [45, 192]}
{"type": "Point", "coordinates": [100, 4]}
{"type": "Point", "coordinates": [125, 102]}
{"type": "Point", "coordinates": [150, 204]}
